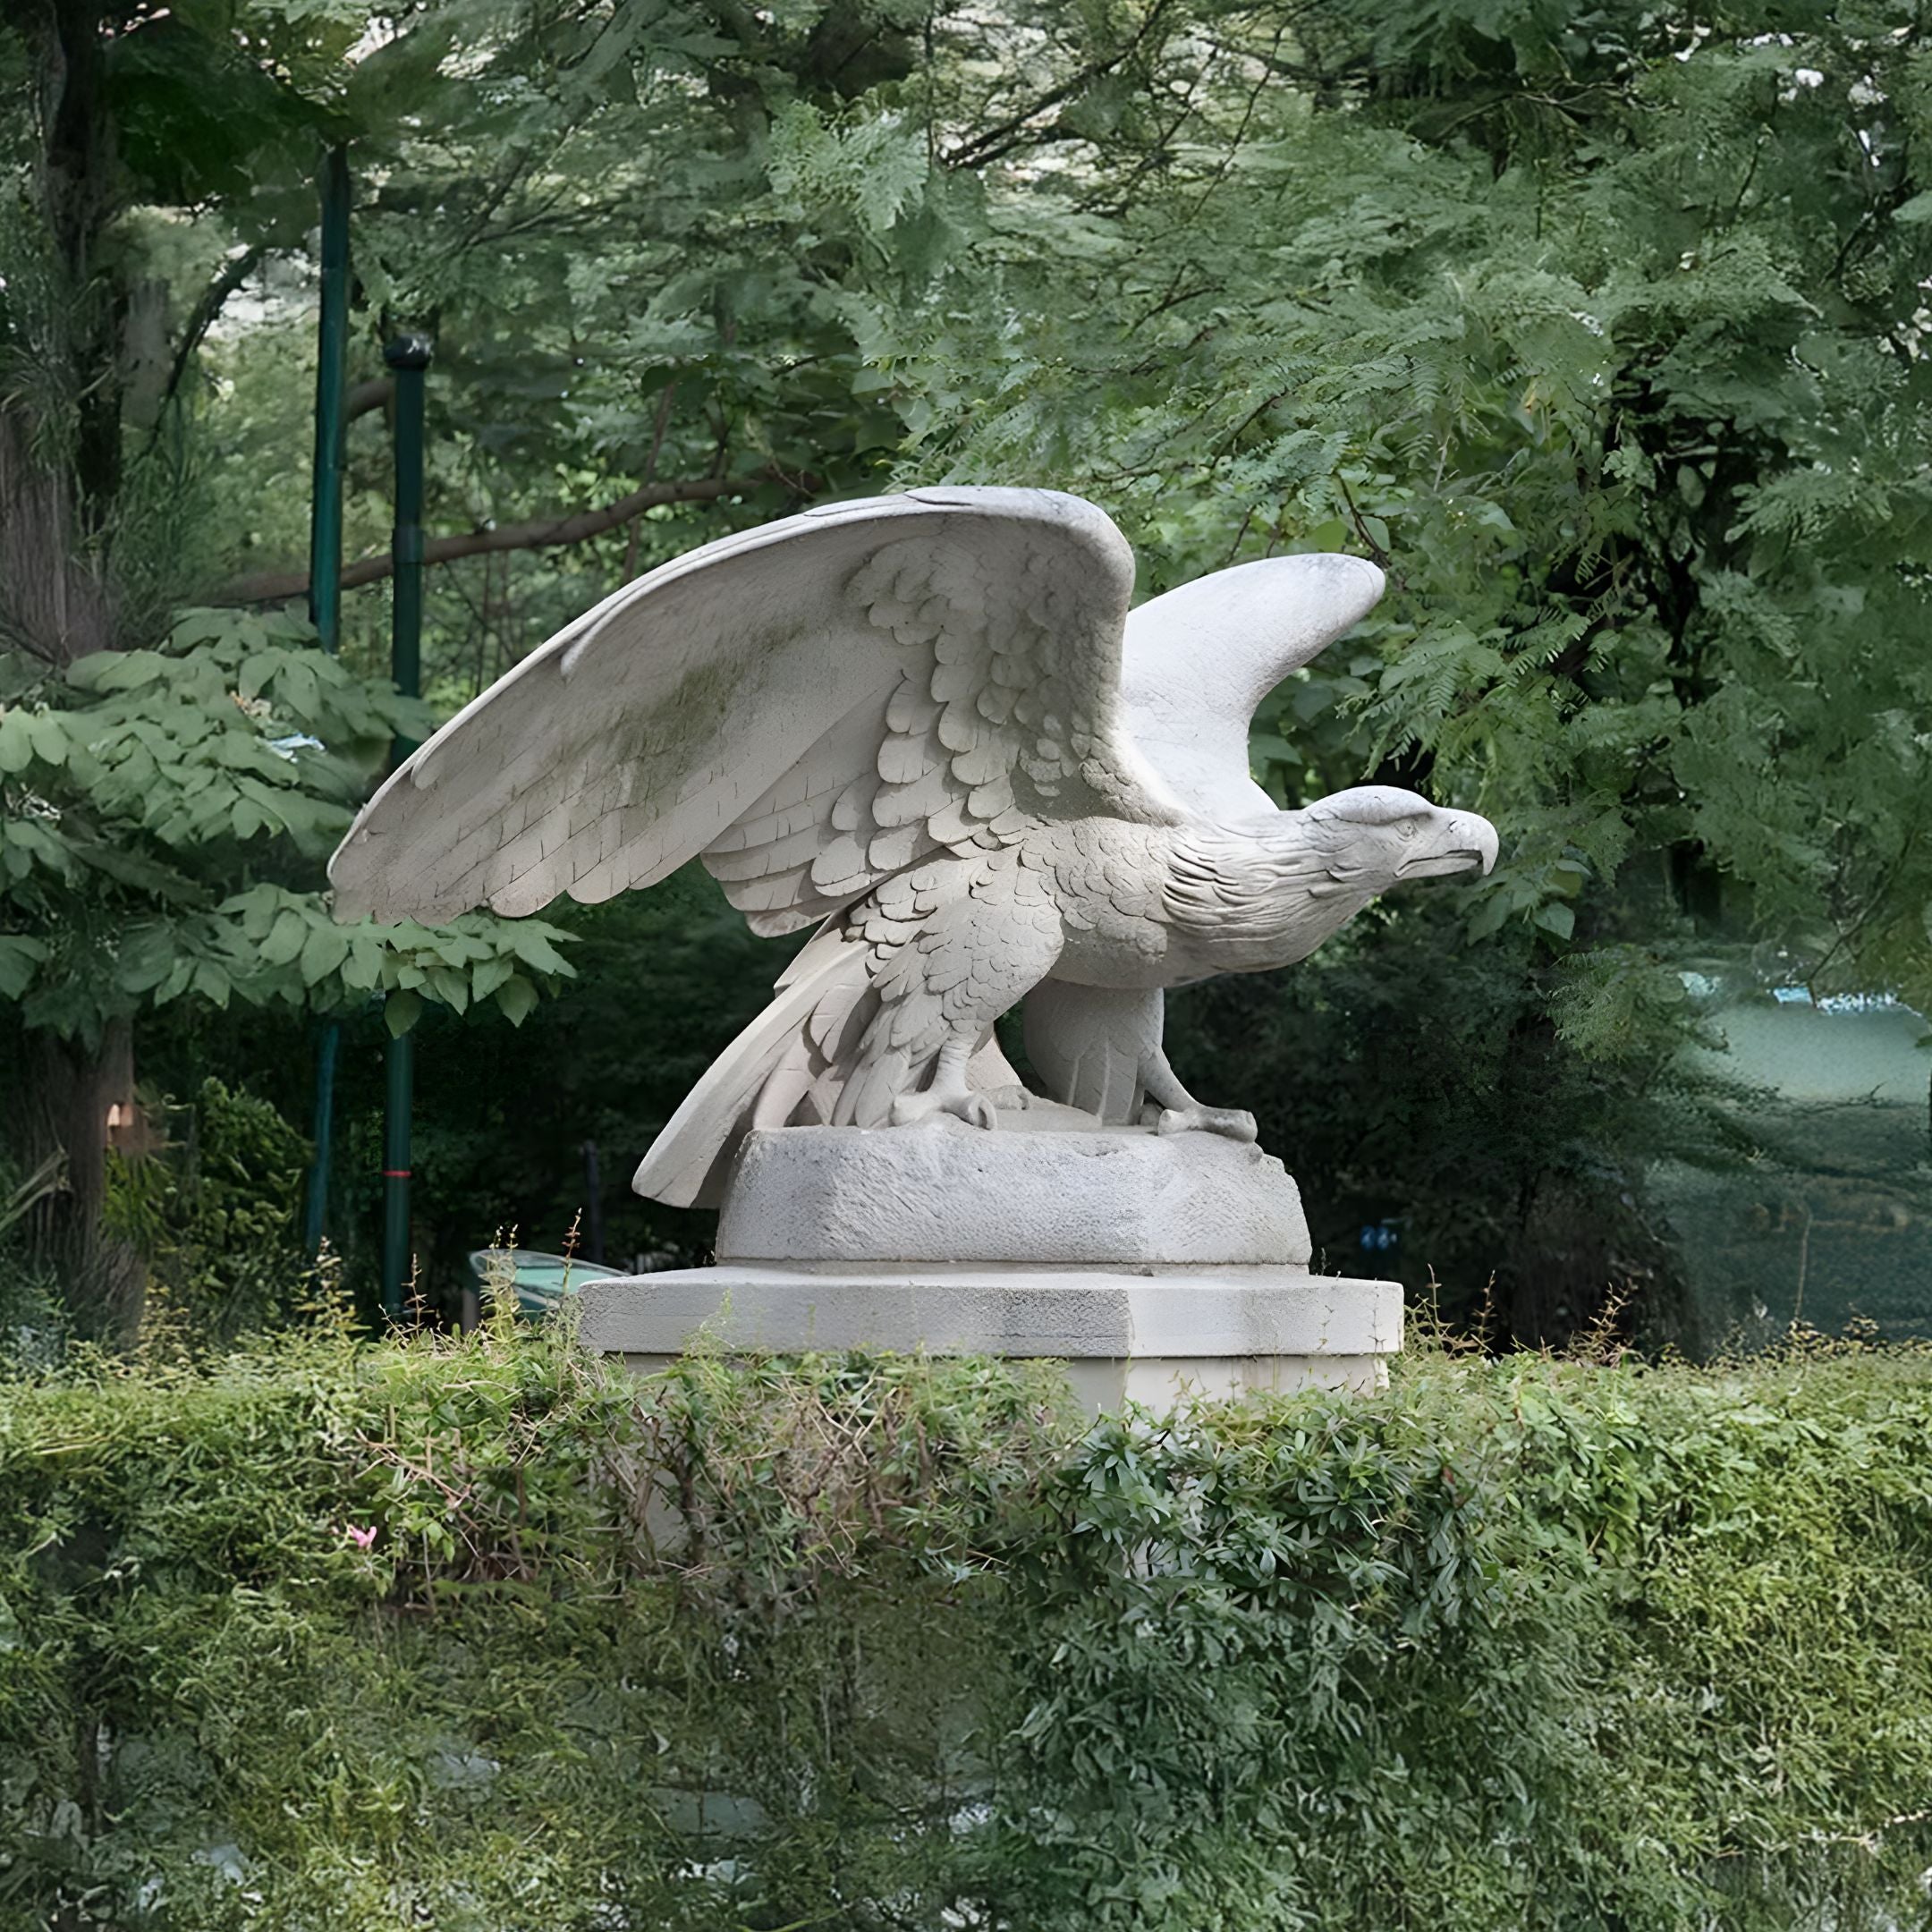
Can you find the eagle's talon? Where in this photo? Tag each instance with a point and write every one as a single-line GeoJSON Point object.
{"type": "Point", "coordinates": [909, 1110]}
{"type": "Point", "coordinates": [1236, 1123]}
{"type": "Point", "coordinates": [1011, 1098]}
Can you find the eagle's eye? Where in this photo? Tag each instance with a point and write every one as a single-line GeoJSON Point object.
{"type": "Point", "coordinates": [1406, 829]}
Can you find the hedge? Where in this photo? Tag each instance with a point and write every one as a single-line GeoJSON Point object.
{"type": "Point", "coordinates": [335, 1634]}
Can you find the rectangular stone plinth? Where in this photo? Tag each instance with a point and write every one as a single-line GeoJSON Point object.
{"type": "Point", "coordinates": [1123, 1198]}
{"type": "Point", "coordinates": [1146, 1337]}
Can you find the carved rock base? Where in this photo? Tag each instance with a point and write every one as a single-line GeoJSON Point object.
{"type": "Point", "coordinates": [1116, 1197]}
{"type": "Point", "coordinates": [1151, 1265]}
{"type": "Point", "coordinates": [1147, 1336]}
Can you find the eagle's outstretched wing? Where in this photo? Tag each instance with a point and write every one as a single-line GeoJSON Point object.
{"type": "Point", "coordinates": [1201, 658]}
{"type": "Point", "coordinates": [813, 706]}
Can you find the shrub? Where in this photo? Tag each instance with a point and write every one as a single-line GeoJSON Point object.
{"type": "Point", "coordinates": [844, 1641]}
{"type": "Point", "coordinates": [212, 1217]}
{"type": "Point", "coordinates": [33, 1316]}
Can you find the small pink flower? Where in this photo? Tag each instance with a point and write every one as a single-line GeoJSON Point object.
{"type": "Point", "coordinates": [361, 1539]}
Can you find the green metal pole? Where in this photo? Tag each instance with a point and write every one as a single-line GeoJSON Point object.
{"type": "Point", "coordinates": [331, 342]}
{"type": "Point", "coordinates": [399, 1089]}
{"type": "Point", "coordinates": [324, 588]}
{"type": "Point", "coordinates": [409, 356]}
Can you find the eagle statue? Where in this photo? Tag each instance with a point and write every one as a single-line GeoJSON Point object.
{"type": "Point", "coordinates": [931, 726]}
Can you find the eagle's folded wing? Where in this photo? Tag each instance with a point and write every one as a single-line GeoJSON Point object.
{"type": "Point", "coordinates": [813, 705]}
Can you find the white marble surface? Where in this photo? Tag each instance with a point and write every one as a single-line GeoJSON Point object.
{"type": "Point", "coordinates": [932, 726]}
{"type": "Point", "coordinates": [948, 1193]}
{"type": "Point", "coordinates": [1122, 1334]}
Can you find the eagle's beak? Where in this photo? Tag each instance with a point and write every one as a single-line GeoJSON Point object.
{"type": "Point", "coordinates": [1459, 841]}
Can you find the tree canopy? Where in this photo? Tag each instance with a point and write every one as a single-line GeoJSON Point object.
{"type": "Point", "coordinates": [1605, 332]}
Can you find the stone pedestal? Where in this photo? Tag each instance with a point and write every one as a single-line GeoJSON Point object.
{"type": "Point", "coordinates": [1153, 1265]}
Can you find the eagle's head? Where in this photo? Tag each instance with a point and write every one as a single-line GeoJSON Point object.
{"type": "Point", "coordinates": [1371, 837]}
{"type": "Point", "coordinates": [1267, 891]}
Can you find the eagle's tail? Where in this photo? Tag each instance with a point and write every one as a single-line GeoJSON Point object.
{"type": "Point", "coordinates": [763, 1077]}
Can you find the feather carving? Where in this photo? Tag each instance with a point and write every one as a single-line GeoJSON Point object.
{"type": "Point", "coordinates": [928, 725]}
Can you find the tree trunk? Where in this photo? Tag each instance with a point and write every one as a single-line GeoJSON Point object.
{"type": "Point", "coordinates": [82, 189]}
{"type": "Point", "coordinates": [81, 1104]}
{"type": "Point", "coordinates": [60, 479]}
{"type": "Point", "coordinates": [52, 602]}
{"type": "Point", "coordinates": [60, 460]}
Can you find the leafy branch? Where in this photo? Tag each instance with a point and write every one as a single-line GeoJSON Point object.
{"type": "Point", "coordinates": [165, 817]}
{"type": "Point", "coordinates": [533, 533]}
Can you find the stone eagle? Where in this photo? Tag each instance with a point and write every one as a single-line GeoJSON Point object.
{"type": "Point", "coordinates": [929, 726]}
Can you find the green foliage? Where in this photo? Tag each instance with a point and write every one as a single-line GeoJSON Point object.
{"type": "Point", "coordinates": [342, 1636]}
{"type": "Point", "coordinates": [163, 812]}
{"type": "Point", "coordinates": [1606, 331]}
{"type": "Point", "coordinates": [1420, 1084]}
{"type": "Point", "coordinates": [666, 978]}
{"type": "Point", "coordinates": [33, 1318]}
{"type": "Point", "coordinates": [1608, 335]}
{"type": "Point", "coordinates": [214, 1217]}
